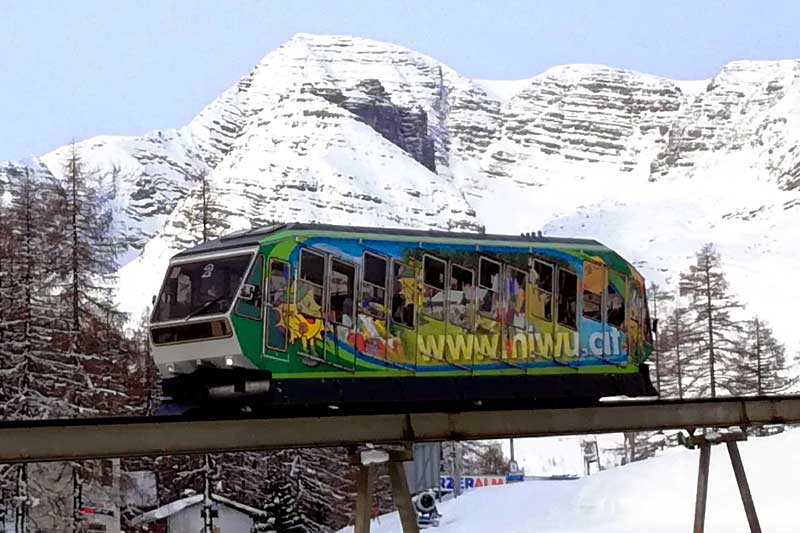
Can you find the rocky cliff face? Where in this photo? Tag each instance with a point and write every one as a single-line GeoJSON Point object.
{"type": "Point", "coordinates": [332, 128]}
{"type": "Point", "coordinates": [405, 128]}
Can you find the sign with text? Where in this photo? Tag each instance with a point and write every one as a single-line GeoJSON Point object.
{"type": "Point", "coordinates": [471, 482]}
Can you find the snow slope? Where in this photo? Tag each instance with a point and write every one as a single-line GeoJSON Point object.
{"type": "Point", "coordinates": [656, 496]}
{"type": "Point", "coordinates": [563, 455]}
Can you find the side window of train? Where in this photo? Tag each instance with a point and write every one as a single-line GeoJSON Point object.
{"type": "Point", "coordinates": [615, 300]}
{"type": "Point", "coordinates": [593, 284]}
{"type": "Point", "coordinates": [341, 295]}
{"type": "Point", "coordinates": [310, 284]}
{"type": "Point", "coordinates": [373, 286]}
{"type": "Point", "coordinates": [646, 323]}
{"type": "Point", "coordinates": [542, 301]}
{"type": "Point", "coordinates": [461, 297]}
{"type": "Point", "coordinates": [276, 337]}
{"type": "Point", "coordinates": [404, 293]}
{"type": "Point", "coordinates": [567, 298]}
{"type": "Point", "coordinates": [635, 302]}
{"type": "Point", "coordinates": [516, 283]}
{"type": "Point", "coordinates": [433, 275]}
{"type": "Point", "coordinates": [489, 284]}
{"type": "Point", "coordinates": [251, 294]}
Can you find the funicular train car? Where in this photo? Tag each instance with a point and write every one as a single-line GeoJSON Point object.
{"type": "Point", "coordinates": [335, 315]}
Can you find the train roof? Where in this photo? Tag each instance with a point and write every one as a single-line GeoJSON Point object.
{"type": "Point", "coordinates": [256, 236]}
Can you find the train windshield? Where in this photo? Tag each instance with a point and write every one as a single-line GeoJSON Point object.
{"type": "Point", "coordinates": [200, 288]}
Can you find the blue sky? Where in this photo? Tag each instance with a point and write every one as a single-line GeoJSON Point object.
{"type": "Point", "coordinates": [73, 69]}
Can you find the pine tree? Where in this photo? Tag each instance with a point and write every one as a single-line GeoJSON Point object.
{"type": "Point", "coordinates": [281, 489]}
{"type": "Point", "coordinates": [56, 361]}
{"type": "Point", "coordinates": [90, 250]}
{"type": "Point", "coordinates": [485, 458]}
{"type": "Point", "coordinates": [676, 339]}
{"type": "Point", "coordinates": [321, 480]}
{"type": "Point", "coordinates": [762, 366]}
{"type": "Point", "coordinates": [74, 357]}
{"type": "Point", "coordinates": [6, 296]}
{"type": "Point", "coordinates": [9, 297]}
{"type": "Point", "coordinates": [37, 381]}
{"type": "Point", "coordinates": [202, 217]}
{"type": "Point", "coordinates": [712, 358]}
{"type": "Point", "coordinates": [40, 374]}
{"type": "Point", "coordinates": [325, 479]}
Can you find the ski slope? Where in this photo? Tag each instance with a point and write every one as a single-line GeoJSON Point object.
{"type": "Point", "coordinates": [652, 496]}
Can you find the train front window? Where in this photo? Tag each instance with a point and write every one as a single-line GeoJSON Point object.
{"type": "Point", "coordinates": [200, 288]}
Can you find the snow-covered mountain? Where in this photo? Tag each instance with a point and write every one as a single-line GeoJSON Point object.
{"type": "Point", "coordinates": [343, 129]}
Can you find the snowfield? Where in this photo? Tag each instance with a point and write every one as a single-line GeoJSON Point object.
{"type": "Point", "coordinates": [651, 496]}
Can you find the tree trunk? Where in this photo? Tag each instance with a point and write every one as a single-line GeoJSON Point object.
{"type": "Point", "coordinates": [710, 328]}
{"type": "Point", "coordinates": [678, 355]}
{"type": "Point", "coordinates": [758, 358]}
{"type": "Point", "coordinates": [205, 209]}
{"type": "Point", "coordinates": [75, 284]}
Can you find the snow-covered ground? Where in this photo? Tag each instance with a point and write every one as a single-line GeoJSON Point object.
{"type": "Point", "coordinates": [559, 456]}
{"type": "Point", "coordinates": [652, 496]}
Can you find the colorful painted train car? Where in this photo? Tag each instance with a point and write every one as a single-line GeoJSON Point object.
{"type": "Point", "coordinates": [319, 314]}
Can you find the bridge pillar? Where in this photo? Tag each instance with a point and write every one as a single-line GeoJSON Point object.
{"type": "Point", "coordinates": [400, 491]}
{"type": "Point", "coordinates": [366, 486]}
{"type": "Point", "coordinates": [731, 441]}
{"type": "Point", "coordinates": [702, 488]}
{"type": "Point", "coordinates": [402, 496]}
{"type": "Point", "coordinates": [744, 487]}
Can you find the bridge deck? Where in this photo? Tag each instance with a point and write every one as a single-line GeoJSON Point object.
{"type": "Point", "coordinates": [51, 440]}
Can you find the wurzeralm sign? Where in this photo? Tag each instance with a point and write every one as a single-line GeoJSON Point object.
{"type": "Point", "coordinates": [471, 482]}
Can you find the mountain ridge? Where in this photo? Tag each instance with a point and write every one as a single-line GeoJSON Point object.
{"type": "Point", "coordinates": [652, 166]}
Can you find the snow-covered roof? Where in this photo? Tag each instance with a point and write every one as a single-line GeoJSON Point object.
{"type": "Point", "coordinates": [172, 508]}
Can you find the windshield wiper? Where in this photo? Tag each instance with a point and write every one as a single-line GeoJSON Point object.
{"type": "Point", "coordinates": [203, 307]}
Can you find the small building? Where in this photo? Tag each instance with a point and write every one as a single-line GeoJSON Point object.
{"type": "Point", "coordinates": [186, 516]}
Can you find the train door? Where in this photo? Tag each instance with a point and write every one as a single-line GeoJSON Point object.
{"type": "Point", "coordinates": [488, 332]}
{"type": "Point", "coordinates": [565, 343]}
{"type": "Point", "coordinates": [276, 312]}
{"type": "Point", "coordinates": [593, 330]}
{"type": "Point", "coordinates": [308, 323]}
{"type": "Point", "coordinates": [371, 335]}
{"type": "Point", "coordinates": [249, 305]}
{"type": "Point", "coordinates": [404, 301]}
{"type": "Point", "coordinates": [340, 319]}
{"type": "Point", "coordinates": [515, 320]}
{"type": "Point", "coordinates": [432, 329]}
{"type": "Point", "coordinates": [461, 316]}
{"type": "Point", "coordinates": [541, 309]}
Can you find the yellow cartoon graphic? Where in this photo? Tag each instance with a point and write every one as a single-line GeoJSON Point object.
{"type": "Point", "coordinates": [302, 328]}
{"type": "Point", "coordinates": [410, 289]}
{"type": "Point", "coordinates": [308, 306]}
{"type": "Point", "coordinates": [304, 321]}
